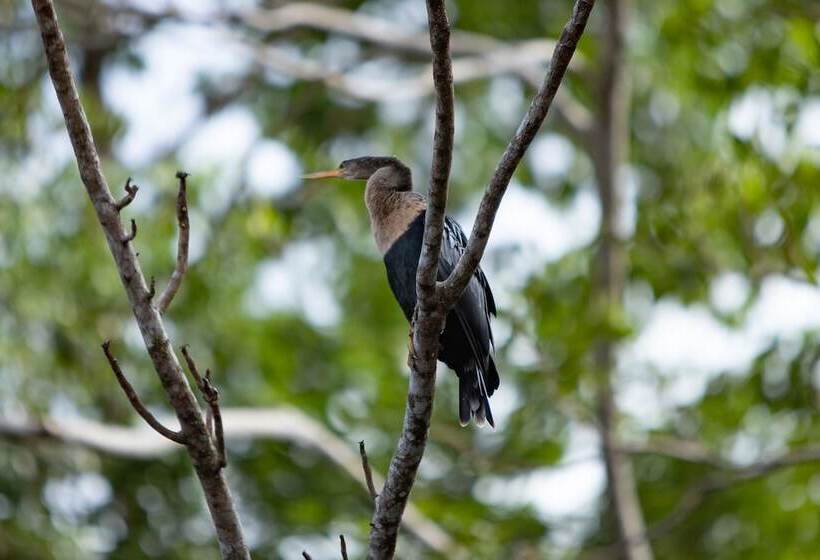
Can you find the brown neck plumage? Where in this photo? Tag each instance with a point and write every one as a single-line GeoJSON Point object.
{"type": "Point", "coordinates": [391, 211]}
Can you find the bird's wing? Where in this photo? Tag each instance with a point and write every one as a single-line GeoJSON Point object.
{"type": "Point", "coordinates": [477, 303]}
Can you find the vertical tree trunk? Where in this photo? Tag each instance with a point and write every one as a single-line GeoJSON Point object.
{"type": "Point", "coordinates": [612, 143]}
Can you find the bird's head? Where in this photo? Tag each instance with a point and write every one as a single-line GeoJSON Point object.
{"type": "Point", "coordinates": [388, 172]}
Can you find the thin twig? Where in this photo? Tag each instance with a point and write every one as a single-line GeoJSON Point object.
{"type": "Point", "coordinates": [217, 429]}
{"type": "Point", "coordinates": [135, 401]}
{"type": "Point", "coordinates": [368, 474]}
{"type": "Point", "coordinates": [132, 234]}
{"type": "Point", "coordinates": [130, 193]}
{"type": "Point", "coordinates": [182, 246]}
{"type": "Point", "coordinates": [211, 396]}
{"type": "Point", "coordinates": [452, 288]}
{"type": "Point", "coordinates": [343, 546]}
{"type": "Point", "coordinates": [306, 556]}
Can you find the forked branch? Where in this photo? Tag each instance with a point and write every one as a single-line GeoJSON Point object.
{"type": "Point", "coordinates": [135, 401]}
{"type": "Point", "coordinates": [434, 300]}
{"type": "Point", "coordinates": [211, 396]}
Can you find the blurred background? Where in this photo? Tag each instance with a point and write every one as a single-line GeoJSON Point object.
{"type": "Point", "coordinates": [654, 261]}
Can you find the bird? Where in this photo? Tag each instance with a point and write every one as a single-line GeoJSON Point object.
{"type": "Point", "coordinates": [397, 216]}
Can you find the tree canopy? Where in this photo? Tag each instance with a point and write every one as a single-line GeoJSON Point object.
{"type": "Point", "coordinates": [715, 371]}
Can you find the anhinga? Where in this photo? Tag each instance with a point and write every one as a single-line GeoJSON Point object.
{"type": "Point", "coordinates": [397, 219]}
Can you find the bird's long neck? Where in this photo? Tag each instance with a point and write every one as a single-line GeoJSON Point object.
{"type": "Point", "coordinates": [391, 213]}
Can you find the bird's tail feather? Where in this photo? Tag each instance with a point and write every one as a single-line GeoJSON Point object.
{"type": "Point", "coordinates": [473, 401]}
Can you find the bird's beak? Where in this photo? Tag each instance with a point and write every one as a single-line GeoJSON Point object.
{"type": "Point", "coordinates": [323, 174]}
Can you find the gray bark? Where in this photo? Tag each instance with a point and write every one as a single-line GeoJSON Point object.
{"type": "Point", "coordinates": [197, 440]}
{"type": "Point", "coordinates": [435, 300]}
{"type": "Point", "coordinates": [452, 288]}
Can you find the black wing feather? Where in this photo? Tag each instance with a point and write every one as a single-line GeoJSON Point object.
{"type": "Point", "coordinates": [467, 340]}
{"type": "Point", "coordinates": [477, 303]}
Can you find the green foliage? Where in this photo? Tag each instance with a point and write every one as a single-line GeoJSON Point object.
{"type": "Point", "coordinates": [704, 193]}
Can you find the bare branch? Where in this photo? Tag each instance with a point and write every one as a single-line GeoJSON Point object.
{"type": "Point", "coordinates": [360, 26]}
{"type": "Point", "coordinates": [681, 450]}
{"type": "Point", "coordinates": [429, 316]}
{"type": "Point", "coordinates": [130, 193]}
{"type": "Point", "coordinates": [343, 546]}
{"type": "Point", "coordinates": [203, 455]}
{"type": "Point", "coordinates": [284, 424]}
{"type": "Point", "coordinates": [442, 154]}
{"type": "Point", "coordinates": [433, 302]}
{"type": "Point", "coordinates": [182, 246]}
{"type": "Point", "coordinates": [694, 495]}
{"type": "Point", "coordinates": [211, 396]}
{"type": "Point", "coordinates": [132, 234]}
{"type": "Point", "coordinates": [306, 556]}
{"type": "Point", "coordinates": [520, 60]}
{"type": "Point", "coordinates": [698, 492]}
{"type": "Point", "coordinates": [479, 57]}
{"type": "Point", "coordinates": [368, 474]}
{"type": "Point", "coordinates": [452, 288]}
{"type": "Point", "coordinates": [135, 401]}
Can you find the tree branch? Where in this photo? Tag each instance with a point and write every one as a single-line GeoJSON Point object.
{"type": "Point", "coordinates": [480, 56]}
{"type": "Point", "coordinates": [429, 316]}
{"type": "Point", "coordinates": [442, 156]}
{"type": "Point", "coordinates": [343, 547]}
{"type": "Point", "coordinates": [434, 301]}
{"type": "Point", "coordinates": [452, 288]}
{"type": "Point", "coordinates": [128, 197]}
{"type": "Point", "coordinates": [360, 26]}
{"type": "Point", "coordinates": [182, 247]}
{"type": "Point", "coordinates": [197, 441]}
{"type": "Point", "coordinates": [516, 60]}
{"type": "Point", "coordinates": [681, 450]}
{"type": "Point", "coordinates": [368, 473]}
{"type": "Point", "coordinates": [609, 155]}
{"type": "Point", "coordinates": [284, 424]}
{"type": "Point", "coordinates": [698, 492]}
{"type": "Point", "coordinates": [211, 396]}
{"type": "Point", "coordinates": [129, 237]}
{"type": "Point", "coordinates": [135, 401]}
